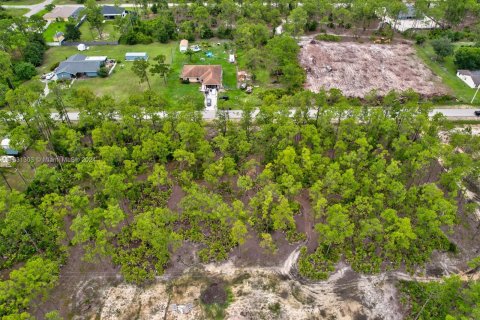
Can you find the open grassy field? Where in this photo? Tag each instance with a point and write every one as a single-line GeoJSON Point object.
{"type": "Point", "coordinates": [123, 82]}
{"type": "Point", "coordinates": [109, 33]}
{"type": "Point", "coordinates": [53, 28]}
{"type": "Point", "coordinates": [448, 72]}
{"type": "Point", "coordinates": [17, 12]}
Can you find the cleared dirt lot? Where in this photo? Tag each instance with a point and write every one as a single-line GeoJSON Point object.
{"type": "Point", "coordinates": [357, 69]}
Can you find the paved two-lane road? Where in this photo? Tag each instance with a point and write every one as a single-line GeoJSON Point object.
{"type": "Point", "coordinates": [36, 8]}
{"type": "Point", "coordinates": [456, 113]}
{"type": "Point", "coordinates": [209, 115]}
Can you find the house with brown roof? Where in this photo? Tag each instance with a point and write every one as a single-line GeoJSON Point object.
{"type": "Point", "coordinates": [210, 76]}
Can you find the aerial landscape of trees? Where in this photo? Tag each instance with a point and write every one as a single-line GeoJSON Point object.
{"type": "Point", "coordinates": [377, 196]}
{"type": "Point", "coordinates": [129, 182]}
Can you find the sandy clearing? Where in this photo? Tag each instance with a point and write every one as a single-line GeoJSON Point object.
{"type": "Point", "coordinates": [357, 68]}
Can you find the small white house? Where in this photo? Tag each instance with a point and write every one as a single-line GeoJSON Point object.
{"type": "Point", "coordinates": [132, 56]}
{"type": "Point", "coordinates": [111, 12]}
{"type": "Point", "coordinates": [183, 45]}
{"type": "Point", "coordinates": [471, 78]}
{"type": "Point", "coordinates": [231, 58]}
{"type": "Point", "coordinates": [409, 20]}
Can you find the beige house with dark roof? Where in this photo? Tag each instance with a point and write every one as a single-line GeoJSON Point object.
{"type": "Point", "coordinates": [210, 76]}
{"type": "Point", "coordinates": [63, 13]}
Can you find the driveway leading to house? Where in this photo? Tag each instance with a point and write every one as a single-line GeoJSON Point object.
{"type": "Point", "coordinates": [213, 96]}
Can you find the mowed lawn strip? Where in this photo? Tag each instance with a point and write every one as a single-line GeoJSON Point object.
{"type": "Point", "coordinates": [448, 72]}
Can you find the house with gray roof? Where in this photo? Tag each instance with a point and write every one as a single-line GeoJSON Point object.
{"type": "Point", "coordinates": [409, 18]}
{"type": "Point", "coordinates": [471, 78]}
{"type": "Point", "coordinates": [111, 12]}
{"type": "Point", "coordinates": [108, 12]}
{"type": "Point", "coordinates": [409, 13]}
{"type": "Point", "coordinates": [78, 66]}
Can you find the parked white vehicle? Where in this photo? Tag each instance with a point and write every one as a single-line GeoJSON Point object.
{"type": "Point", "coordinates": [195, 48]}
{"type": "Point", "coordinates": [50, 75]}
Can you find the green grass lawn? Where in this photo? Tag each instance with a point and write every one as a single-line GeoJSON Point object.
{"type": "Point", "coordinates": [123, 82]}
{"type": "Point", "coordinates": [20, 2]}
{"type": "Point", "coordinates": [108, 34]}
{"type": "Point", "coordinates": [17, 12]}
{"type": "Point", "coordinates": [448, 72]}
{"type": "Point", "coordinates": [53, 28]}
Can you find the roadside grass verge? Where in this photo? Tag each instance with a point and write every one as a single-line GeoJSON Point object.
{"type": "Point", "coordinates": [41, 13]}
{"type": "Point", "coordinates": [20, 2]}
{"type": "Point", "coordinates": [17, 12]}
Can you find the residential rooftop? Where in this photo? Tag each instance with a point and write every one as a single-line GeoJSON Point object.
{"type": "Point", "coordinates": [208, 74]}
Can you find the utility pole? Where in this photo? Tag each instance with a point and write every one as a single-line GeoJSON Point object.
{"type": "Point", "coordinates": [478, 87]}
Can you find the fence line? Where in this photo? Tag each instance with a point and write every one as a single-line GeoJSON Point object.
{"type": "Point", "coordinates": [90, 43]}
{"type": "Point", "coordinates": [54, 44]}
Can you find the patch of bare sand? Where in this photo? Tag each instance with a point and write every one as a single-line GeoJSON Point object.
{"type": "Point", "coordinates": [357, 69]}
{"type": "Point", "coordinates": [258, 293]}
{"type": "Point", "coordinates": [153, 302]}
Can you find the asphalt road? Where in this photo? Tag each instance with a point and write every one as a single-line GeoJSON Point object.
{"type": "Point", "coordinates": [209, 115]}
{"type": "Point", "coordinates": [456, 113]}
{"type": "Point", "coordinates": [35, 8]}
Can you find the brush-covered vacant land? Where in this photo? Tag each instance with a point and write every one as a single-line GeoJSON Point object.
{"type": "Point", "coordinates": [376, 188]}
{"type": "Point", "coordinates": [317, 204]}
